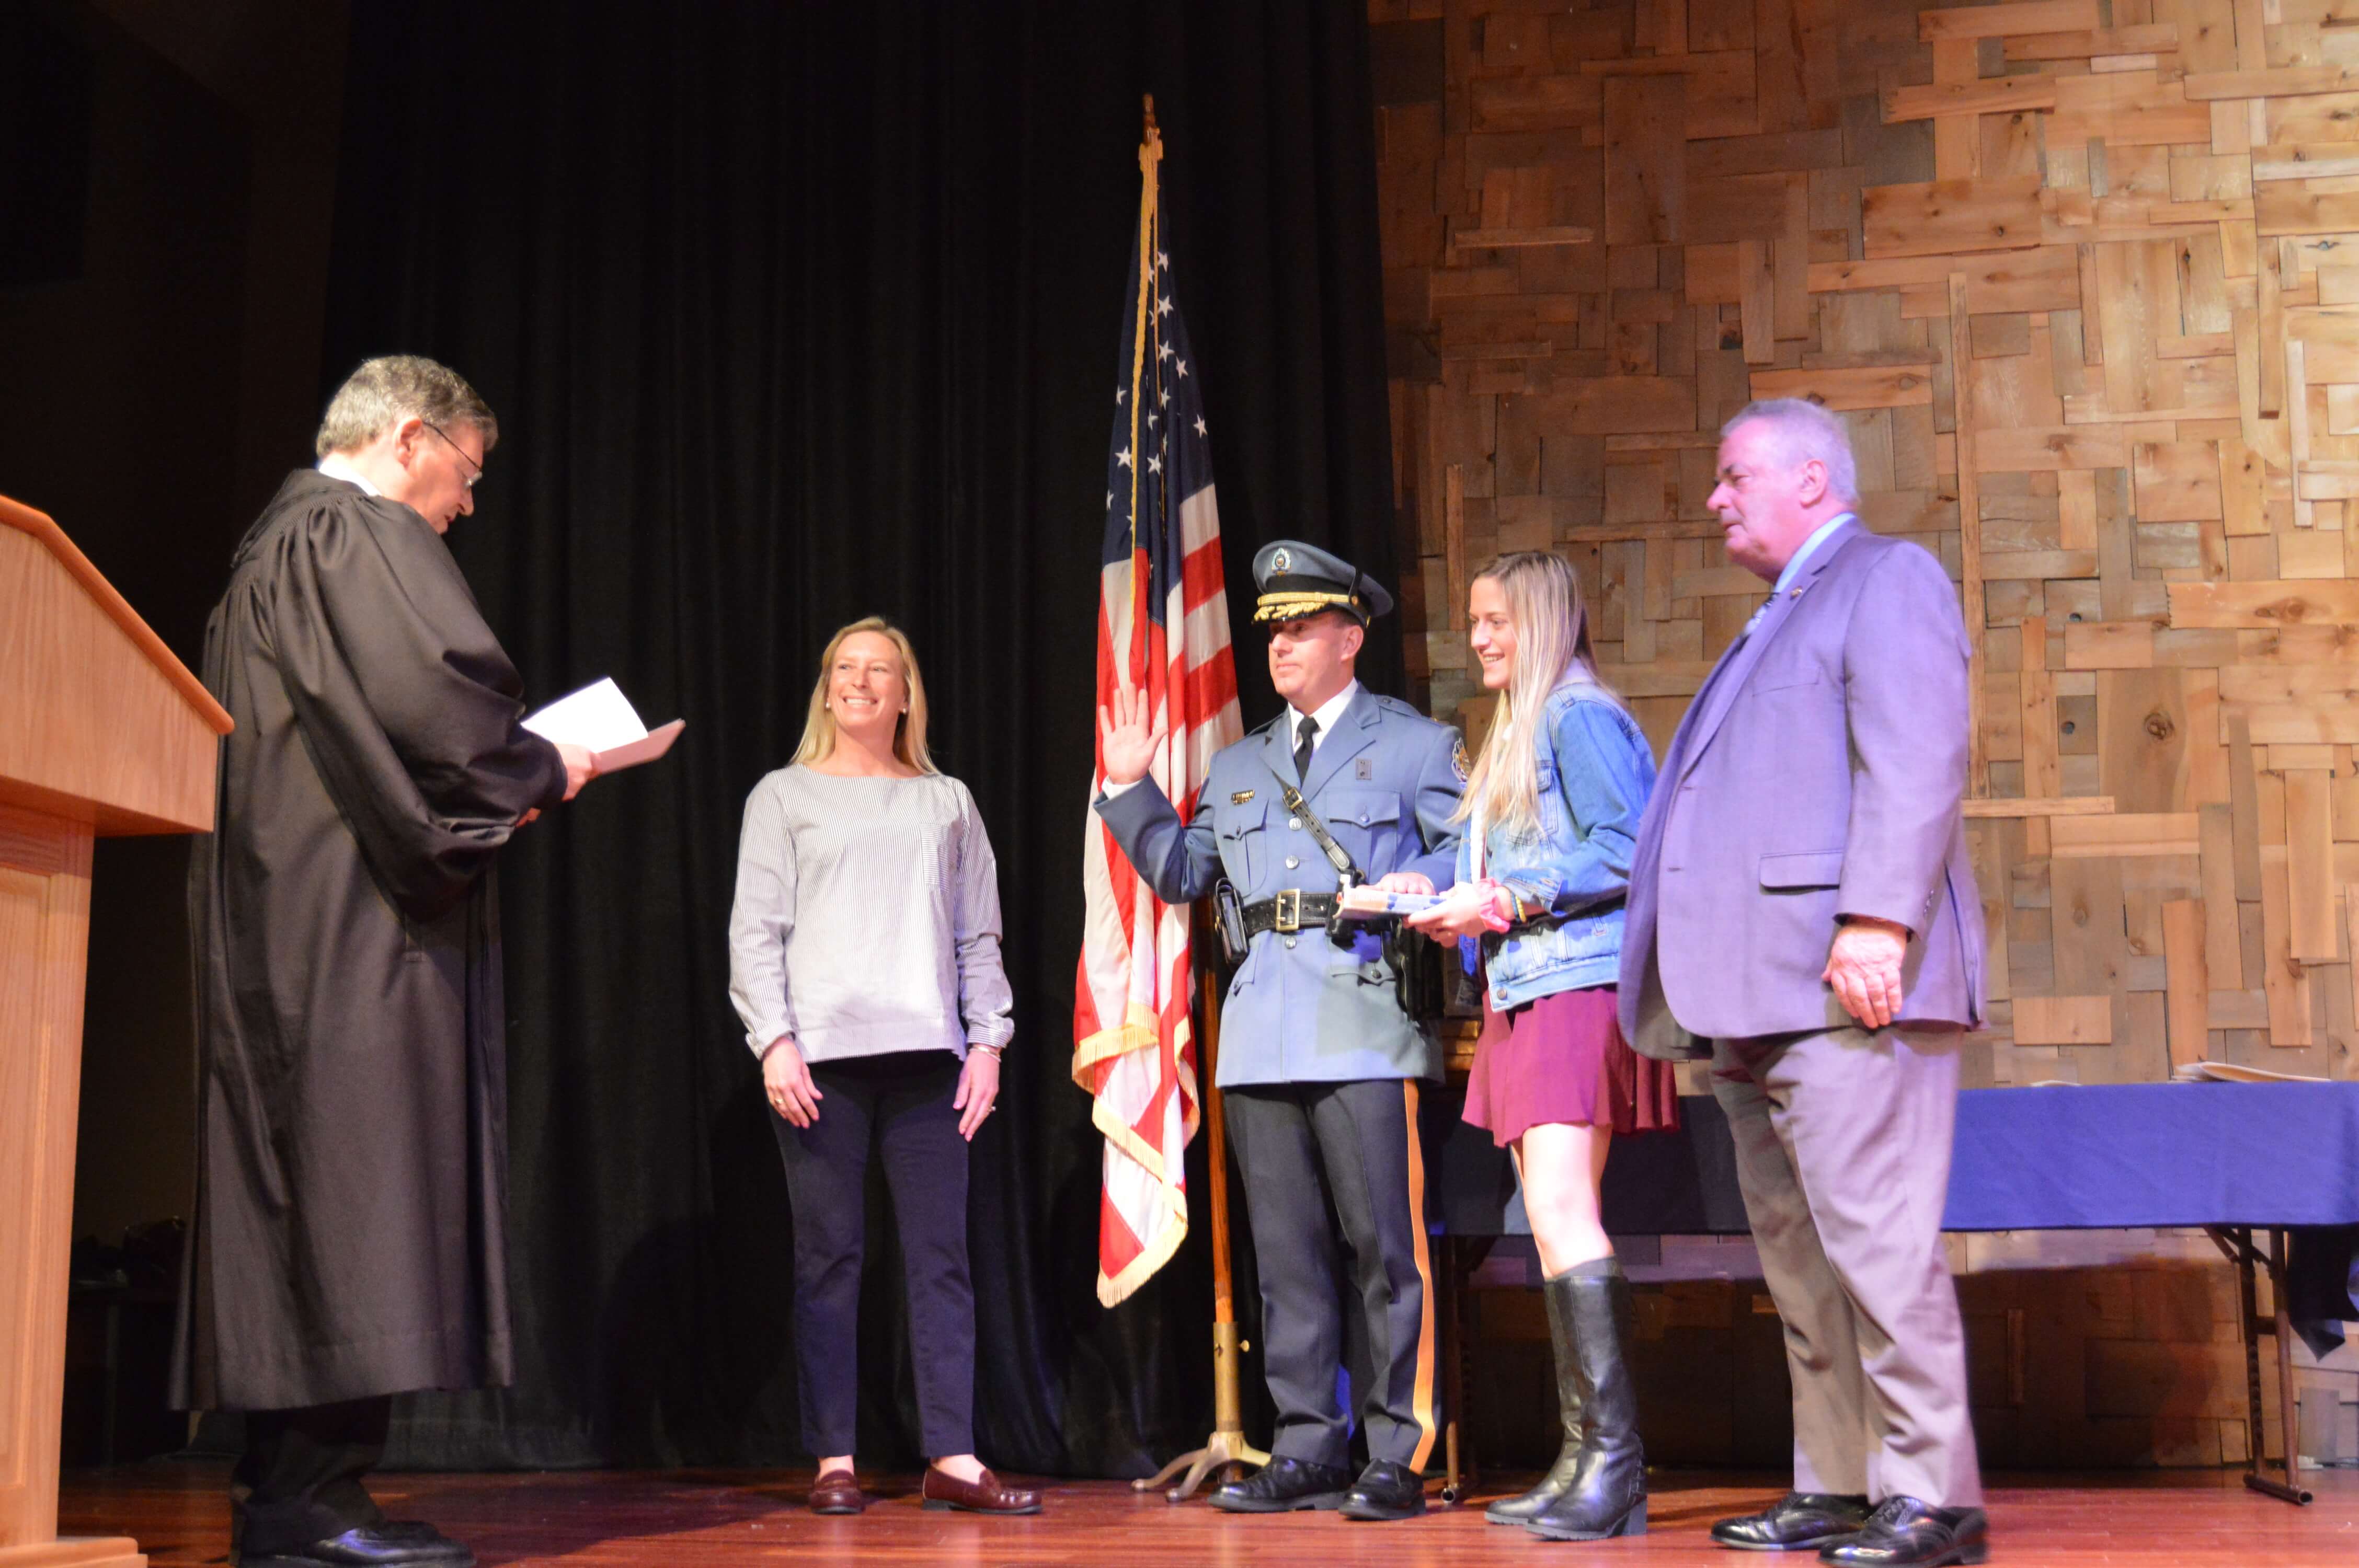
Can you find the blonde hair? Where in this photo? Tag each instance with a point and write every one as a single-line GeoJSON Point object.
{"type": "Point", "coordinates": [909, 739]}
{"type": "Point", "coordinates": [1544, 598]}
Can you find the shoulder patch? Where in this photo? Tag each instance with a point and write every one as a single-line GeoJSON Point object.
{"type": "Point", "coordinates": [1458, 761]}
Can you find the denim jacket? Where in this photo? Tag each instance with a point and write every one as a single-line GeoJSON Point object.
{"type": "Point", "coordinates": [1595, 773]}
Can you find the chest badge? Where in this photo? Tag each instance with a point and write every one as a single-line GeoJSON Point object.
{"type": "Point", "coordinates": [1241, 797]}
{"type": "Point", "coordinates": [1363, 769]}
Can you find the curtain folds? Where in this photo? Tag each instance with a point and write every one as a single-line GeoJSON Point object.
{"type": "Point", "coordinates": [793, 314]}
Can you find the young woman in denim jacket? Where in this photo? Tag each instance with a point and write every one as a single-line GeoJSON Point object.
{"type": "Point", "coordinates": [1554, 803]}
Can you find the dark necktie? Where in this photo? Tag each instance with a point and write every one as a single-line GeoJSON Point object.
{"type": "Point", "coordinates": [1302, 734]}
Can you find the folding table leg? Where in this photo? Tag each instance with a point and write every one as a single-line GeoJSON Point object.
{"type": "Point", "coordinates": [2288, 1408]}
{"type": "Point", "coordinates": [2237, 1241]}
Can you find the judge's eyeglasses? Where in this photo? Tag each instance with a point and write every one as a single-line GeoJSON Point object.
{"type": "Point", "coordinates": [458, 449]}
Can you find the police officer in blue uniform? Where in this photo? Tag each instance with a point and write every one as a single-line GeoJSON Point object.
{"type": "Point", "coordinates": [1321, 1065]}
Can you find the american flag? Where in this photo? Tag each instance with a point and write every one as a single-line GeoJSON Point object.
{"type": "Point", "coordinates": [1163, 626]}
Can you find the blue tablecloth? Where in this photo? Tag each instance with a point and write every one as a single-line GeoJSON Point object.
{"type": "Point", "coordinates": [2107, 1155]}
{"type": "Point", "coordinates": [2100, 1156]}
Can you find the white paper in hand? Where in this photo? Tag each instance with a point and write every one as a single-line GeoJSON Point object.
{"type": "Point", "coordinates": [600, 720]}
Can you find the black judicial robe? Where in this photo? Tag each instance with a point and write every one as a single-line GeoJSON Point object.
{"type": "Point", "coordinates": [348, 1237]}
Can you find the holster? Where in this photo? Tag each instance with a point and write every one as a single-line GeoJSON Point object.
{"type": "Point", "coordinates": [1228, 915]}
{"type": "Point", "coordinates": [1420, 978]}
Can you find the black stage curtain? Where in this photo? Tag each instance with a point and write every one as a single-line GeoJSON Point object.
{"type": "Point", "coordinates": [793, 314]}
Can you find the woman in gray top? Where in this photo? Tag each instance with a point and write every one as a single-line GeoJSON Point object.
{"type": "Point", "coordinates": [864, 957]}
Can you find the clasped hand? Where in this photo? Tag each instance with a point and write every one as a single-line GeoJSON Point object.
{"type": "Point", "coordinates": [1463, 912]}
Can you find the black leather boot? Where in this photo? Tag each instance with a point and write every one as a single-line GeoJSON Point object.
{"type": "Point", "coordinates": [1608, 1495]}
{"type": "Point", "coordinates": [1558, 1293]}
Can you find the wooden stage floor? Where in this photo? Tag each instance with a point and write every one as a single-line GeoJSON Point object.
{"type": "Point", "coordinates": [627, 1520]}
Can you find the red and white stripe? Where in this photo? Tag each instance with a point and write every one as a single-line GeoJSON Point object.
{"type": "Point", "coordinates": [1135, 1051]}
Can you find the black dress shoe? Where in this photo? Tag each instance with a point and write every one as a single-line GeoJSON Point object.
{"type": "Point", "coordinates": [1905, 1533]}
{"type": "Point", "coordinates": [1798, 1521]}
{"type": "Point", "coordinates": [404, 1544]}
{"type": "Point", "coordinates": [1284, 1484]}
{"type": "Point", "coordinates": [1386, 1490]}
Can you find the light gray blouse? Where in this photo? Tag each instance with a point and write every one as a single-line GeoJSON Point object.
{"type": "Point", "coordinates": [866, 918]}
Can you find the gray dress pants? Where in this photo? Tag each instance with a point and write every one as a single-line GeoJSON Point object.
{"type": "Point", "coordinates": [1316, 1159]}
{"type": "Point", "coordinates": [1842, 1151]}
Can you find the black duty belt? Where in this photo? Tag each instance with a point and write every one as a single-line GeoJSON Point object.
{"type": "Point", "coordinates": [1291, 910]}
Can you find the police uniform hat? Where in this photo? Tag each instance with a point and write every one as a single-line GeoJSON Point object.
{"type": "Point", "coordinates": [1298, 579]}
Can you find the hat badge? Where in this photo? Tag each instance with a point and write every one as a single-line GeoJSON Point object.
{"type": "Point", "coordinates": [1281, 561]}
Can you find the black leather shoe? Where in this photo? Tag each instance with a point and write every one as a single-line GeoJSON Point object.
{"type": "Point", "coordinates": [1798, 1521]}
{"type": "Point", "coordinates": [1386, 1490]}
{"type": "Point", "coordinates": [390, 1545]}
{"type": "Point", "coordinates": [1905, 1533]}
{"type": "Point", "coordinates": [1283, 1485]}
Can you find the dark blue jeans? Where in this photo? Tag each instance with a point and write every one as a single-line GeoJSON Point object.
{"type": "Point", "coordinates": [898, 1104]}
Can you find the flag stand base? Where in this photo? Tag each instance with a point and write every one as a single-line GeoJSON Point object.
{"type": "Point", "coordinates": [1227, 1445]}
{"type": "Point", "coordinates": [1221, 1448]}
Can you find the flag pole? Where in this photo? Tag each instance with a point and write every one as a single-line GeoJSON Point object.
{"type": "Point", "coordinates": [1227, 1445]}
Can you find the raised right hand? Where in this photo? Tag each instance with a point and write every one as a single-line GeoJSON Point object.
{"type": "Point", "coordinates": [1125, 740]}
{"type": "Point", "coordinates": [787, 1080]}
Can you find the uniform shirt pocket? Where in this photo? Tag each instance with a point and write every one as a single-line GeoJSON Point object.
{"type": "Point", "coordinates": [1366, 822]}
{"type": "Point", "coordinates": [1243, 844]}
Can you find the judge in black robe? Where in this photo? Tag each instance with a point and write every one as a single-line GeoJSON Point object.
{"type": "Point", "coordinates": [349, 1234]}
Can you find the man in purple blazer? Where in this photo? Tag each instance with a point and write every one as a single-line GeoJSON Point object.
{"type": "Point", "coordinates": [1802, 909]}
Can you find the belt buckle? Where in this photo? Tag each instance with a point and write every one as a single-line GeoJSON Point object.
{"type": "Point", "coordinates": [1287, 916]}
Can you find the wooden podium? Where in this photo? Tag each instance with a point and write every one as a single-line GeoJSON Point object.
{"type": "Point", "coordinates": [101, 731]}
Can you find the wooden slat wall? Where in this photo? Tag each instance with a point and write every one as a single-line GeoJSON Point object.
{"type": "Point", "coordinates": [2083, 277]}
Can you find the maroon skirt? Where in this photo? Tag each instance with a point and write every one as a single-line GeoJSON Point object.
{"type": "Point", "coordinates": [1562, 1057]}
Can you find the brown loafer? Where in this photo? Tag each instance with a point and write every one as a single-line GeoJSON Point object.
{"type": "Point", "coordinates": [837, 1493]}
{"type": "Point", "coordinates": [984, 1497]}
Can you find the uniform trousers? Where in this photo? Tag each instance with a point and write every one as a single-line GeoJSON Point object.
{"type": "Point", "coordinates": [898, 1104]}
{"type": "Point", "coordinates": [1317, 1158]}
{"type": "Point", "coordinates": [299, 1479]}
{"type": "Point", "coordinates": [1842, 1151]}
